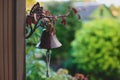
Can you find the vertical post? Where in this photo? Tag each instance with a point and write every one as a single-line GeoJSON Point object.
{"type": "Point", "coordinates": [12, 40]}
{"type": "Point", "coordinates": [20, 39]}
{"type": "Point", "coordinates": [1, 42]}
{"type": "Point", "coordinates": [7, 43]}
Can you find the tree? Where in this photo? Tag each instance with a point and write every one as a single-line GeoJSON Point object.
{"type": "Point", "coordinates": [96, 49]}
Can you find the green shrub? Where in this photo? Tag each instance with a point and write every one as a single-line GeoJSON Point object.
{"type": "Point", "coordinates": [61, 74]}
{"type": "Point", "coordinates": [96, 49]}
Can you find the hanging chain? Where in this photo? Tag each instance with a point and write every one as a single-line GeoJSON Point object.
{"type": "Point", "coordinates": [48, 58]}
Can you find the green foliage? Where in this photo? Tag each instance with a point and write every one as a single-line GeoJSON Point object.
{"type": "Point", "coordinates": [36, 70]}
{"type": "Point", "coordinates": [96, 49]}
{"type": "Point", "coordinates": [35, 66]}
{"type": "Point", "coordinates": [65, 34]}
{"type": "Point", "coordinates": [61, 74]}
{"type": "Point", "coordinates": [60, 77]}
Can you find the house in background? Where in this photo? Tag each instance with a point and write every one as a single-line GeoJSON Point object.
{"type": "Point", "coordinates": [115, 11]}
{"type": "Point", "coordinates": [93, 11]}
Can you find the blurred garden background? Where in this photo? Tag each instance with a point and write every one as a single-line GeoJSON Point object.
{"type": "Point", "coordinates": [90, 46]}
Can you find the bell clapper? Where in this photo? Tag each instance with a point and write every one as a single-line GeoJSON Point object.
{"type": "Point", "coordinates": [48, 57]}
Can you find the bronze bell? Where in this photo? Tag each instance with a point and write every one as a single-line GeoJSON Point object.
{"type": "Point", "coordinates": [48, 41]}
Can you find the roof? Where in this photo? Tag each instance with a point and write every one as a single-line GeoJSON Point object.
{"type": "Point", "coordinates": [86, 10]}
